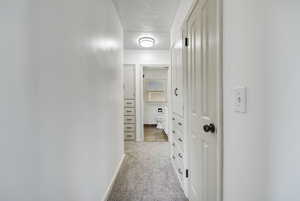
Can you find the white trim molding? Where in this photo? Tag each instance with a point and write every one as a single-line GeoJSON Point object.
{"type": "Point", "coordinates": [110, 186]}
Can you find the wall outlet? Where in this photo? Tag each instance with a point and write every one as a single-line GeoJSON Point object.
{"type": "Point", "coordinates": [240, 99]}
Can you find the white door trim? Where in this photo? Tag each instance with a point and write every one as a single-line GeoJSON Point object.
{"type": "Point", "coordinates": [140, 100]}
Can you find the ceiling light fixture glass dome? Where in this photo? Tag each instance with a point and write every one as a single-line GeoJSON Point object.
{"type": "Point", "coordinates": [146, 42]}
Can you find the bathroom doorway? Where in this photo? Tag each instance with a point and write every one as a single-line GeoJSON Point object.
{"type": "Point", "coordinates": [155, 103]}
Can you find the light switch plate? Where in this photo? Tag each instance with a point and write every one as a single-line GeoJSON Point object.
{"type": "Point", "coordinates": [240, 99]}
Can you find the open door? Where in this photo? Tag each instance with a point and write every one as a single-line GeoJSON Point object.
{"type": "Point", "coordinates": [204, 79]}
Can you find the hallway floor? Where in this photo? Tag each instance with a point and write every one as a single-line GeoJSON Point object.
{"type": "Point", "coordinates": [147, 174]}
{"type": "Point", "coordinates": [153, 134]}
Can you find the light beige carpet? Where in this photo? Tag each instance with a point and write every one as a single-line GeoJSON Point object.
{"type": "Point", "coordinates": [147, 174]}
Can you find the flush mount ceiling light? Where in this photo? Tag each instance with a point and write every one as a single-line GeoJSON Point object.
{"type": "Point", "coordinates": [146, 41]}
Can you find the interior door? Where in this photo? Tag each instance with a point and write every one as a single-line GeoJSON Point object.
{"type": "Point", "coordinates": [177, 78]}
{"type": "Point", "coordinates": [174, 80]}
{"type": "Point", "coordinates": [203, 64]}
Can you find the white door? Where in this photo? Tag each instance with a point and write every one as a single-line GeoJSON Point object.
{"type": "Point", "coordinates": [129, 81]}
{"type": "Point", "coordinates": [204, 64]}
{"type": "Point", "coordinates": [177, 78]}
{"type": "Point", "coordinates": [174, 79]}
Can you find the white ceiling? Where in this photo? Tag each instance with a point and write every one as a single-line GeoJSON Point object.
{"type": "Point", "coordinates": [147, 17]}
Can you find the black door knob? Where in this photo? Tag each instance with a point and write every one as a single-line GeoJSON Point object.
{"type": "Point", "coordinates": [209, 128]}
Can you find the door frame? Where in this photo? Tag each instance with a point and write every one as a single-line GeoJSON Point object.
{"type": "Point", "coordinates": [140, 101]}
{"type": "Point", "coordinates": [187, 101]}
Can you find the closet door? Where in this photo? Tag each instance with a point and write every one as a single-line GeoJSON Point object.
{"type": "Point", "coordinates": [204, 65]}
{"type": "Point", "coordinates": [129, 81]}
{"type": "Point", "coordinates": [177, 78]}
{"type": "Point", "coordinates": [174, 79]}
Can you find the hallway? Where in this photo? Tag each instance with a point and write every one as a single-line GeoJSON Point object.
{"type": "Point", "coordinates": [147, 175]}
{"type": "Point", "coordinates": [219, 78]}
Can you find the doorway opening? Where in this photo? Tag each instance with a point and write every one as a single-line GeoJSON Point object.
{"type": "Point", "coordinates": [155, 103]}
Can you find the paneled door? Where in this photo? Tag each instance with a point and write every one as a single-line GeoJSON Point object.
{"type": "Point", "coordinates": [177, 78]}
{"type": "Point", "coordinates": [204, 112]}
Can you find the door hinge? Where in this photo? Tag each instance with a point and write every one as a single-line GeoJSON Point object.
{"type": "Point", "coordinates": [143, 75]}
{"type": "Point", "coordinates": [187, 173]}
{"type": "Point", "coordinates": [186, 42]}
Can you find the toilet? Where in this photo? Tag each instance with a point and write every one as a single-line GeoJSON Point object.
{"type": "Point", "coordinates": [160, 121]}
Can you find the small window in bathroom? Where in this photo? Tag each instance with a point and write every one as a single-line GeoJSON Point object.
{"type": "Point", "coordinates": [155, 90]}
{"type": "Point", "coordinates": [155, 85]}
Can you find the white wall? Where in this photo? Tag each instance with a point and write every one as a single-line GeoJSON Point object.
{"type": "Point", "coordinates": [61, 100]}
{"type": "Point", "coordinates": [139, 58]}
{"type": "Point", "coordinates": [261, 42]}
{"type": "Point", "coordinates": [146, 57]}
{"type": "Point", "coordinates": [283, 98]}
{"type": "Point", "coordinates": [19, 166]}
{"type": "Point", "coordinates": [245, 137]}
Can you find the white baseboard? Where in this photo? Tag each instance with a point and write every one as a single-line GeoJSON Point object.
{"type": "Point", "coordinates": [109, 189]}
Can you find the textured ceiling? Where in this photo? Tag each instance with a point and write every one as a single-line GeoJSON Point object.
{"type": "Point", "coordinates": [152, 17]}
